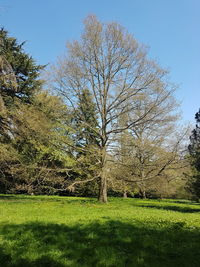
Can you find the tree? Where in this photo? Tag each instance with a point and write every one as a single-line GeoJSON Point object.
{"type": "Point", "coordinates": [18, 82]}
{"type": "Point", "coordinates": [33, 128]}
{"type": "Point", "coordinates": [110, 63]}
{"type": "Point", "coordinates": [153, 148]}
{"type": "Point", "coordinates": [18, 71]}
{"type": "Point", "coordinates": [194, 151]}
{"type": "Point", "coordinates": [38, 160]}
{"type": "Point", "coordinates": [84, 121]}
{"type": "Point", "coordinates": [18, 78]}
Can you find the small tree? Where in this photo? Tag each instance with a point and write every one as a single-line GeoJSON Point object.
{"type": "Point", "coordinates": [86, 143]}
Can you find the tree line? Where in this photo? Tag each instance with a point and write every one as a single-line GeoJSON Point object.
{"type": "Point", "coordinates": [104, 120]}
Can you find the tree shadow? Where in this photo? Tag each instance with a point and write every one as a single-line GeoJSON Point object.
{"type": "Point", "coordinates": [181, 201]}
{"type": "Point", "coordinates": [42, 198]}
{"type": "Point", "coordinates": [185, 202]}
{"type": "Point", "coordinates": [7, 197]}
{"type": "Point", "coordinates": [170, 207]}
{"type": "Point", "coordinates": [109, 243]}
{"type": "Point", "coordinates": [21, 197]}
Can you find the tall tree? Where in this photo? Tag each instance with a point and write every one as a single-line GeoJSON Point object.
{"type": "Point", "coordinates": [18, 78]}
{"type": "Point", "coordinates": [194, 150]}
{"type": "Point", "coordinates": [30, 122]}
{"type": "Point", "coordinates": [18, 71]}
{"type": "Point", "coordinates": [114, 67]}
{"type": "Point", "coordinates": [18, 82]}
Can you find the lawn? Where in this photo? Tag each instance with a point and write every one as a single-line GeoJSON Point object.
{"type": "Point", "coordinates": [67, 231]}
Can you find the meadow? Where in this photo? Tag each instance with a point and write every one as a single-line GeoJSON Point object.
{"type": "Point", "coordinates": [68, 231]}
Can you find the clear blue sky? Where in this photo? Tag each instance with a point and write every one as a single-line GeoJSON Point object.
{"type": "Point", "coordinates": [171, 28]}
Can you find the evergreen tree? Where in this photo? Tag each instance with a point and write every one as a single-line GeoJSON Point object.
{"type": "Point", "coordinates": [86, 120]}
{"type": "Point", "coordinates": [18, 71]}
{"type": "Point", "coordinates": [18, 79]}
{"type": "Point", "coordinates": [194, 150]}
{"type": "Point", "coordinates": [86, 145]}
{"type": "Point", "coordinates": [33, 156]}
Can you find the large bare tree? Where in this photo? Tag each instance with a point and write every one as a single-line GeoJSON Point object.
{"type": "Point", "coordinates": [114, 67]}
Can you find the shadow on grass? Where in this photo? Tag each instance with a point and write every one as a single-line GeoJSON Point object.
{"type": "Point", "coordinates": [37, 198]}
{"type": "Point", "coordinates": [171, 207]}
{"type": "Point", "coordinates": [110, 243]}
{"type": "Point", "coordinates": [22, 197]}
{"type": "Point", "coordinates": [185, 202]}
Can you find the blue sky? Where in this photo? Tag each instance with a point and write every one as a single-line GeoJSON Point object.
{"type": "Point", "coordinates": [171, 29]}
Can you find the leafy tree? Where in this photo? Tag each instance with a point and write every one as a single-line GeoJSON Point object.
{"type": "Point", "coordinates": [39, 159]}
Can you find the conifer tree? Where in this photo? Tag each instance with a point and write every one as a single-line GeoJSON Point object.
{"type": "Point", "coordinates": [86, 144]}
{"type": "Point", "coordinates": [86, 119]}
{"type": "Point", "coordinates": [18, 79]}
{"type": "Point", "coordinates": [194, 150]}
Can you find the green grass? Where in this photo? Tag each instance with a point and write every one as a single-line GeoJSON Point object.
{"type": "Point", "coordinates": [67, 231]}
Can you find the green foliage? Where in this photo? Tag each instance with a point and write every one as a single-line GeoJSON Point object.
{"type": "Point", "coordinates": [194, 150]}
{"type": "Point", "coordinates": [86, 120]}
{"type": "Point", "coordinates": [83, 232]}
{"type": "Point", "coordinates": [86, 146]}
{"type": "Point", "coordinates": [39, 140]}
{"type": "Point", "coordinates": [18, 81]}
{"type": "Point", "coordinates": [34, 153]}
{"type": "Point", "coordinates": [51, 144]}
{"type": "Point", "coordinates": [18, 71]}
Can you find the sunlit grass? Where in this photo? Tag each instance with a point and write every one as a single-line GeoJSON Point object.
{"type": "Point", "coordinates": [69, 231]}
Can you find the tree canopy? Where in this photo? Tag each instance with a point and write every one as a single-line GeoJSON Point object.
{"type": "Point", "coordinates": [116, 70]}
{"type": "Point", "coordinates": [108, 126]}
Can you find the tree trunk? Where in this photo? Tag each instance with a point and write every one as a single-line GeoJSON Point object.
{"type": "Point", "coordinates": [103, 179]}
{"type": "Point", "coordinates": [143, 185]}
{"type": "Point", "coordinates": [143, 194]}
{"type": "Point", "coordinates": [103, 190]}
{"type": "Point", "coordinates": [125, 194]}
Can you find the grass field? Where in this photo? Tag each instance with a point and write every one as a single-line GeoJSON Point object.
{"type": "Point", "coordinates": [68, 231]}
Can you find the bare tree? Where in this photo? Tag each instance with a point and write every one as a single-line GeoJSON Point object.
{"type": "Point", "coordinates": [114, 67]}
